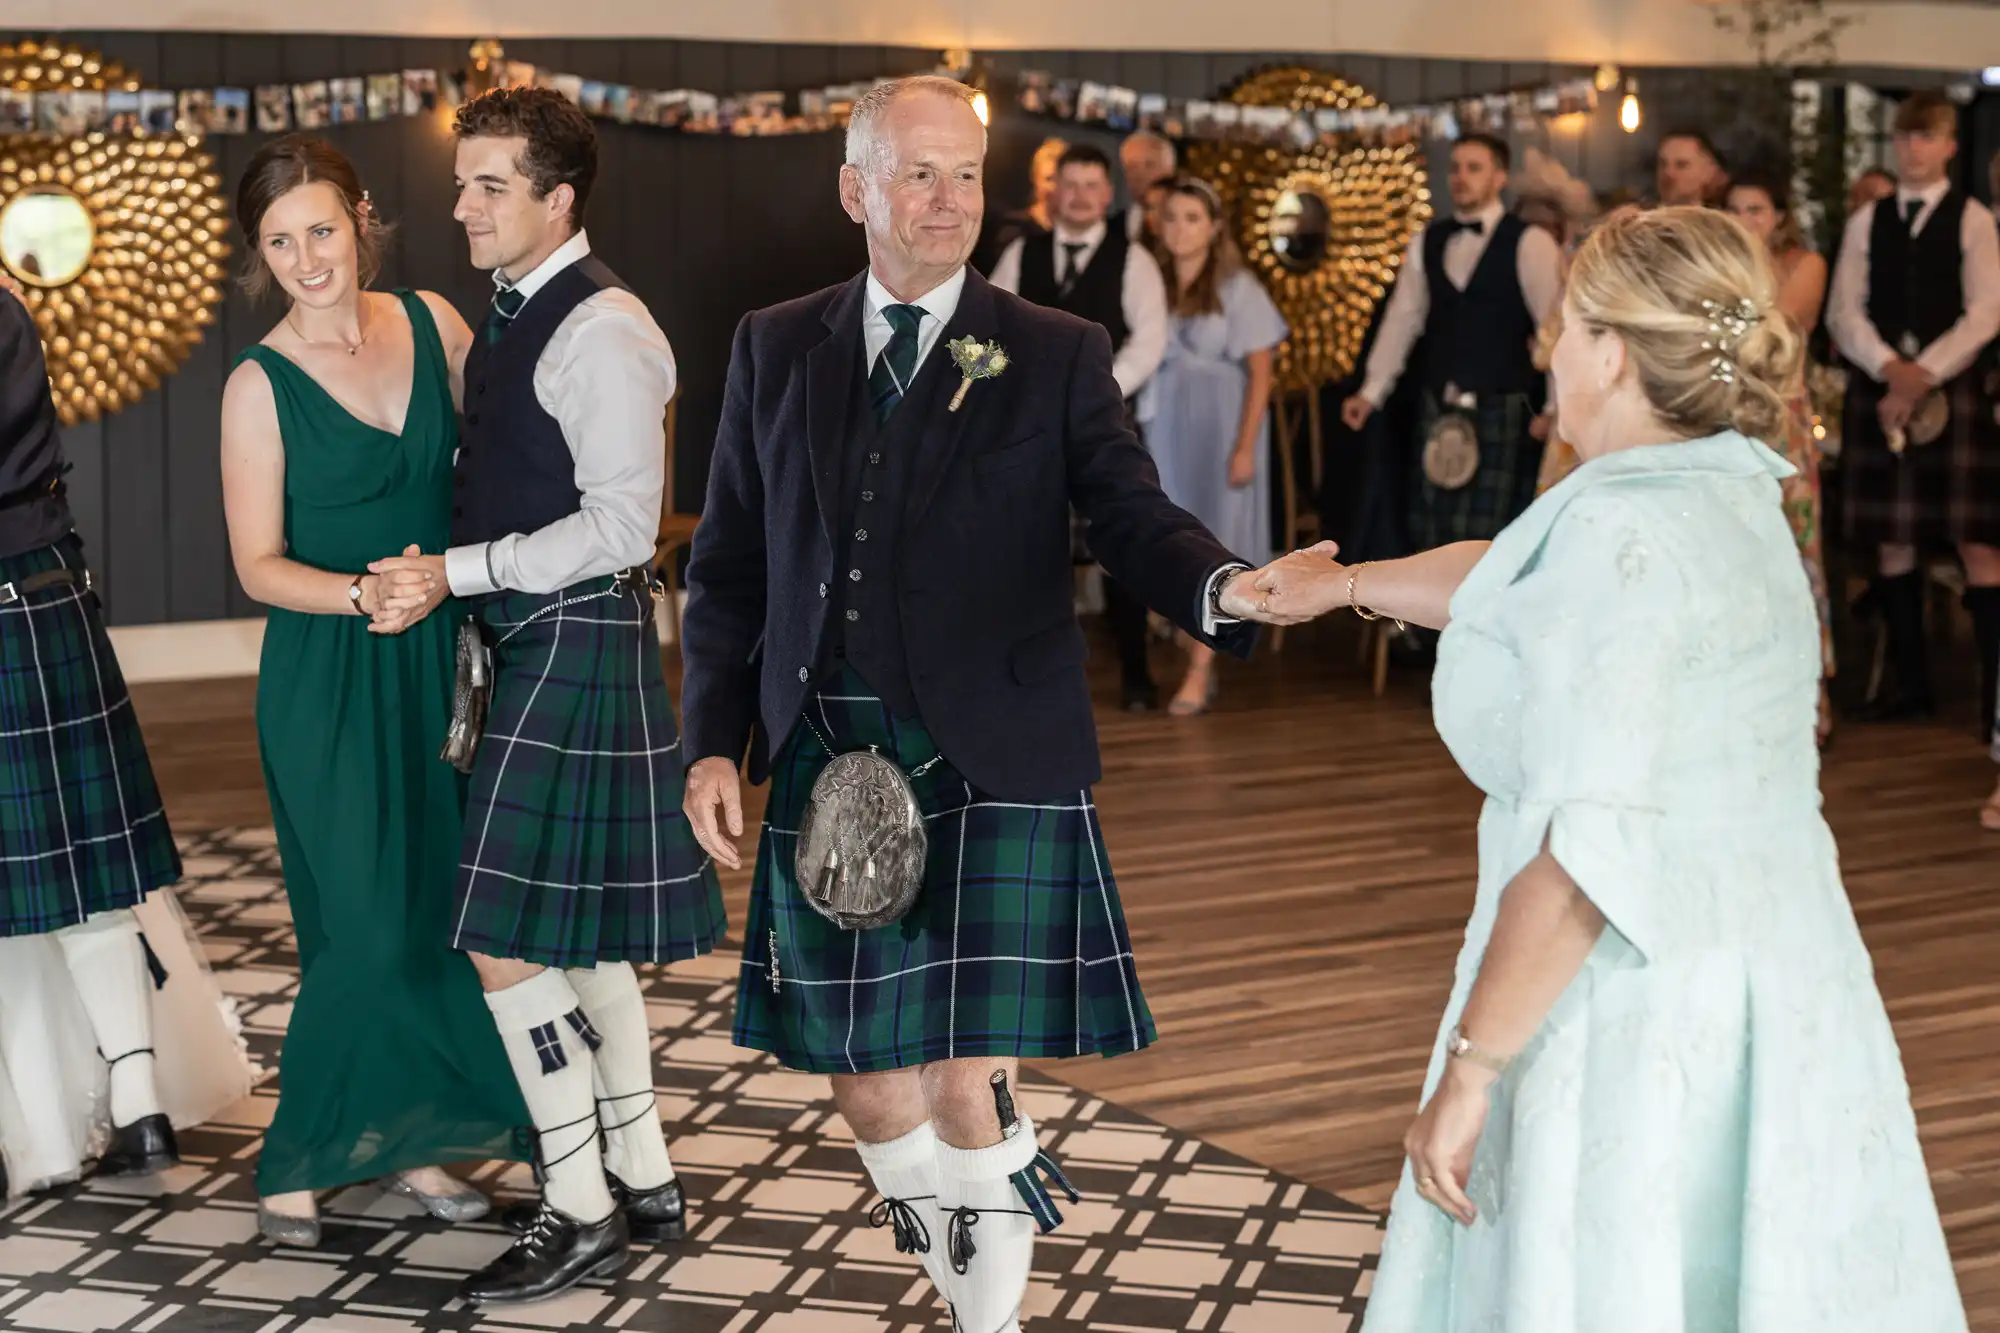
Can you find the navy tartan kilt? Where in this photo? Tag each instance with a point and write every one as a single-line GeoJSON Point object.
{"type": "Point", "coordinates": [81, 828]}
{"type": "Point", "coordinates": [1510, 460]}
{"type": "Point", "coordinates": [1016, 946]}
{"type": "Point", "coordinates": [576, 848]}
{"type": "Point", "coordinates": [1944, 491]}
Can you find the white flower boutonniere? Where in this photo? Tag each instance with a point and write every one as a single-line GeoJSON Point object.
{"type": "Point", "coordinates": [976, 361]}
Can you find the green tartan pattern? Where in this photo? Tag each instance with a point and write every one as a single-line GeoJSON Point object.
{"type": "Point", "coordinates": [1510, 460]}
{"type": "Point", "coordinates": [576, 848]}
{"type": "Point", "coordinates": [1017, 945]}
{"type": "Point", "coordinates": [81, 828]}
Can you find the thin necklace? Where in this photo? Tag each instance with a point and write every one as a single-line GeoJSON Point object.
{"type": "Point", "coordinates": [342, 343]}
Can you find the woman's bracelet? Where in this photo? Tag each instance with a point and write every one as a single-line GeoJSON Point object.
{"type": "Point", "coordinates": [1354, 603]}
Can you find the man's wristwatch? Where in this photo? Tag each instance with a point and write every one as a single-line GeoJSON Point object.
{"type": "Point", "coordinates": [1459, 1047]}
{"type": "Point", "coordinates": [1216, 584]}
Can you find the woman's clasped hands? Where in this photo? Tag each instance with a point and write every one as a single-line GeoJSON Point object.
{"type": "Point", "coordinates": [401, 592]}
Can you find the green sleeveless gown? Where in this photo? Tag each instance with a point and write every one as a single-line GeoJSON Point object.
{"type": "Point", "coordinates": [391, 1060]}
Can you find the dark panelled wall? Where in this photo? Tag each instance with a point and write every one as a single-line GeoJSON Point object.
{"type": "Point", "coordinates": [703, 228]}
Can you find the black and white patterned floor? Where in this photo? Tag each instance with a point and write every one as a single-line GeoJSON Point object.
{"type": "Point", "coordinates": [1173, 1233]}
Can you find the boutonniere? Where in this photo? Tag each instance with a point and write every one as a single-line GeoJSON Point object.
{"type": "Point", "coordinates": [976, 361]}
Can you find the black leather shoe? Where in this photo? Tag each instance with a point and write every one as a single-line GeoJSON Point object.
{"type": "Point", "coordinates": [555, 1254]}
{"type": "Point", "coordinates": [142, 1148]}
{"type": "Point", "coordinates": [651, 1216]}
{"type": "Point", "coordinates": [1141, 697]}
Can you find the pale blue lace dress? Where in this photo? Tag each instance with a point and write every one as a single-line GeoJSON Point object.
{"type": "Point", "coordinates": [1712, 1131]}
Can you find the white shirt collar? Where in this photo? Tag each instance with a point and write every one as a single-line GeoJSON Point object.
{"type": "Point", "coordinates": [940, 302]}
{"type": "Point", "coordinates": [1486, 217]}
{"type": "Point", "coordinates": [1090, 238]}
{"type": "Point", "coordinates": [571, 250]}
{"type": "Point", "coordinates": [1929, 195]}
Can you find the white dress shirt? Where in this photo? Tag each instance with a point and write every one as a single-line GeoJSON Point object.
{"type": "Point", "coordinates": [939, 304]}
{"type": "Point", "coordinates": [1537, 263]}
{"type": "Point", "coordinates": [1143, 300]}
{"type": "Point", "coordinates": [606, 377]}
{"type": "Point", "coordinates": [1956, 348]}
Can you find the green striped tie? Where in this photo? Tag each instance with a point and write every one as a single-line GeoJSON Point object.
{"type": "Point", "coordinates": [507, 303]}
{"type": "Point", "coordinates": [898, 362]}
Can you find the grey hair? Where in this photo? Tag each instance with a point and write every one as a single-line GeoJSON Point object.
{"type": "Point", "coordinates": [864, 144]}
{"type": "Point", "coordinates": [1156, 140]}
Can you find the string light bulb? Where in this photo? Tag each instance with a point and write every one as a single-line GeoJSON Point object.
{"type": "Point", "coordinates": [982, 108]}
{"type": "Point", "coordinates": [1607, 77]}
{"type": "Point", "coordinates": [1628, 111]}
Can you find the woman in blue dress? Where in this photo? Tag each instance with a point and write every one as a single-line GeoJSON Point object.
{"type": "Point", "coordinates": [1205, 410]}
{"type": "Point", "coordinates": [1665, 1097]}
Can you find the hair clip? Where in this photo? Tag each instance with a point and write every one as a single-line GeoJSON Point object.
{"type": "Point", "coordinates": [1727, 325]}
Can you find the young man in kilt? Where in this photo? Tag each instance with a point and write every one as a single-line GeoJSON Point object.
{"type": "Point", "coordinates": [884, 561]}
{"type": "Point", "coordinates": [83, 838]}
{"type": "Point", "coordinates": [1914, 305]}
{"type": "Point", "coordinates": [1476, 287]}
{"type": "Point", "coordinates": [578, 861]}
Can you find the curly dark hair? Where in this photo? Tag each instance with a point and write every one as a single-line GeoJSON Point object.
{"type": "Point", "coordinates": [280, 167]}
{"type": "Point", "coordinates": [561, 144]}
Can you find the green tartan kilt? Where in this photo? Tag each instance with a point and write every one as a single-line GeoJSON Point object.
{"type": "Point", "coordinates": [576, 848]}
{"type": "Point", "coordinates": [1016, 946]}
{"type": "Point", "coordinates": [81, 827]}
{"type": "Point", "coordinates": [1510, 460]}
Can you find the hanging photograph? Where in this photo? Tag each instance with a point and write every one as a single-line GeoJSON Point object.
{"type": "Point", "coordinates": [420, 92]}
{"type": "Point", "coordinates": [385, 96]}
{"type": "Point", "coordinates": [517, 74]}
{"type": "Point", "coordinates": [274, 108]}
{"type": "Point", "coordinates": [17, 112]}
{"type": "Point", "coordinates": [196, 109]}
{"type": "Point", "coordinates": [1121, 108]}
{"type": "Point", "coordinates": [156, 111]}
{"type": "Point", "coordinates": [451, 88]}
{"type": "Point", "coordinates": [1153, 112]}
{"type": "Point", "coordinates": [1093, 102]}
{"type": "Point", "coordinates": [620, 103]}
{"type": "Point", "coordinates": [121, 111]}
{"type": "Point", "coordinates": [569, 85]}
{"type": "Point", "coordinates": [669, 110]}
{"type": "Point", "coordinates": [703, 113]}
{"type": "Point", "coordinates": [347, 101]}
{"type": "Point", "coordinates": [312, 105]}
{"type": "Point", "coordinates": [1034, 95]}
{"type": "Point", "coordinates": [229, 113]}
{"type": "Point", "coordinates": [590, 98]}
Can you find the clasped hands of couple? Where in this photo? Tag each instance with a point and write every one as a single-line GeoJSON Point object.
{"type": "Point", "coordinates": [398, 592]}
{"type": "Point", "coordinates": [1291, 590]}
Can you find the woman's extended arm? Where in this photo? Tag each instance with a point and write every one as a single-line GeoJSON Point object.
{"type": "Point", "coordinates": [1256, 401]}
{"type": "Point", "coordinates": [1416, 589]}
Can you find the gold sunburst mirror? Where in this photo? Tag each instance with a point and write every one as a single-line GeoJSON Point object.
{"type": "Point", "coordinates": [1325, 224]}
{"type": "Point", "coordinates": [116, 239]}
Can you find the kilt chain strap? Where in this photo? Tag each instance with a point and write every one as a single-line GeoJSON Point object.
{"type": "Point", "coordinates": [620, 581]}
{"type": "Point", "coordinates": [916, 772]}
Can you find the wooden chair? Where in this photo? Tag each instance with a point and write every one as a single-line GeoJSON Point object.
{"type": "Point", "coordinates": [1298, 424]}
{"type": "Point", "coordinates": [676, 530]}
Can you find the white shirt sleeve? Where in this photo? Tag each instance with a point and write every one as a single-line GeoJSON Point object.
{"type": "Point", "coordinates": [1402, 324]}
{"type": "Point", "coordinates": [1144, 301]}
{"type": "Point", "coordinates": [606, 377]}
{"type": "Point", "coordinates": [1847, 302]}
{"type": "Point", "coordinates": [1539, 264]}
{"type": "Point", "coordinates": [1007, 269]}
{"type": "Point", "coordinates": [1958, 346]}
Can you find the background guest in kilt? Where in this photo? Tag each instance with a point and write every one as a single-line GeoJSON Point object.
{"type": "Point", "coordinates": [884, 560]}
{"type": "Point", "coordinates": [83, 839]}
{"type": "Point", "coordinates": [1689, 172]}
{"type": "Point", "coordinates": [337, 437]}
{"type": "Point", "coordinates": [1476, 286]}
{"type": "Point", "coordinates": [1206, 412]}
{"type": "Point", "coordinates": [1763, 204]}
{"type": "Point", "coordinates": [1090, 267]}
{"type": "Point", "coordinates": [1915, 302]}
{"type": "Point", "coordinates": [577, 861]}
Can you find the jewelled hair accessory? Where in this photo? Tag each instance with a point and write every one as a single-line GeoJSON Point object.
{"type": "Point", "coordinates": [1727, 324]}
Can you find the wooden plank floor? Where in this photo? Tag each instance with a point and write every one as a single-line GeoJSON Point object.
{"type": "Point", "coordinates": [1297, 868]}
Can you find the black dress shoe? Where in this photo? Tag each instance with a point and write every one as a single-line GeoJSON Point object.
{"type": "Point", "coordinates": [555, 1254]}
{"type": "Point", "coordinates": [142, 1148]}
{"type": "Point", "coordinates": [1141, 697]}
{"type": "Point", "coordinates": [651, 1216]}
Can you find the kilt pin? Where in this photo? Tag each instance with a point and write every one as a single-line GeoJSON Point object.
{"type": "Point", "coordinates": [902, 584]}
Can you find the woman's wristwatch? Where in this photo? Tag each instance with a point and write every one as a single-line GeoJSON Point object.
{"type": "Point", "coordinates": [354, 595]}
{"type": "Point", "coordinates": [1458, 1046]}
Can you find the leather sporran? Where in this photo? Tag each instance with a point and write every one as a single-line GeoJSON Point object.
{"type": "Point", "coordinates": [1929, 417]}
{"type": "Point", "coordinates": [1451, 453]}
{"type": "Point", "coordinates": [471, 693]}
{"type": "Point", "coordinates": [862, 846]}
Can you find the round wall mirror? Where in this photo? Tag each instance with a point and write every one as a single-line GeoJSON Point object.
{"type": "Point", "coordinates": [1300, 226]}
{"type": "Point", "coordinates": [46, 236]}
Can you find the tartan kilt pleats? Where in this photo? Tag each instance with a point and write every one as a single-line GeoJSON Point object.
{"type": "Point", "coordinates": [1944, 491]}
{"type": "Point", "coordinates": [1017, 945]}
{"type": "Point", "coordinates": [1510, 461]}
{"type": "Point", "coordinates": [576, 848]}
{"type": "Point", "coordinates": [81, 826]}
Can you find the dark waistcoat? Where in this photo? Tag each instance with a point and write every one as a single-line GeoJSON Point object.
{"type": "Point", "coordinates": [33, 509]}
{"type": "Point", "coordinates": [516, 473]}
{"type": "Point", "coordinates": [1916, 284]}
{"type": "Point", "coordinates": [1479, 339]}
{"type": "Point", "coordinates": [865, 623]}
{"type": "Point", "coordinates": [1097, 295]}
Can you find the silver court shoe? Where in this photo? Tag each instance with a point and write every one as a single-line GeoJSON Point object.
{"type": "Point", "coordinates": [465, 1204]}
{"type": "Point", "coordinates": [298, 1232]}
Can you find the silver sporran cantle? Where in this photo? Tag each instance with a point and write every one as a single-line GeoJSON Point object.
{"type": "Point", "coordinates": [471, 693]}
{"type": "Point", "coordinates": [1451, 453]}
{"type": "Point", "coordinates": [861, 848]}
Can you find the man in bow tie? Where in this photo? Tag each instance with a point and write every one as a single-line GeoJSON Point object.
{"type": "Point", "coordinates": [1476, 287]}
{"type": "Point", "coordinates": [884, 563]}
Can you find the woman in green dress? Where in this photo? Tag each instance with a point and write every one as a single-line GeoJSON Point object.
{"type": "Point", "coordinates": [338, 432]}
